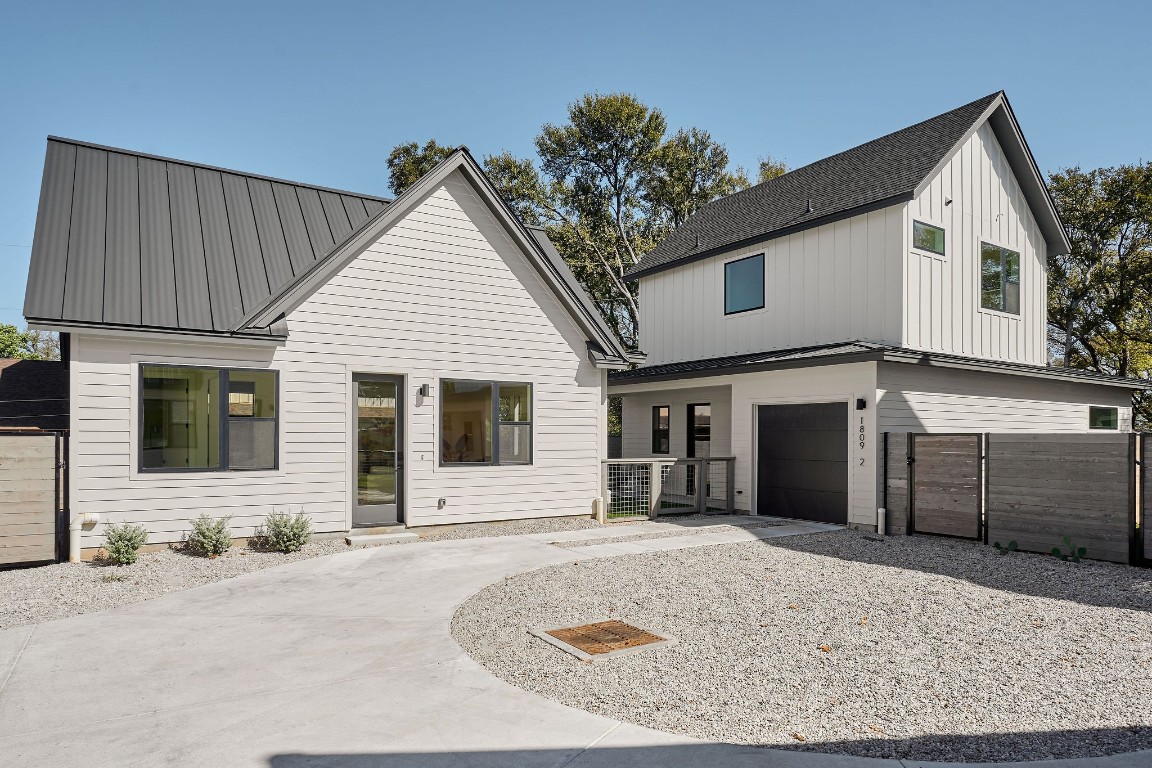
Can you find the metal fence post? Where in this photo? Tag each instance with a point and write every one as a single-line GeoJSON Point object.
{"type": "Point", "coordinates": [701, 485]}
{"type": "Point", "coordinates": [730, 484]}
{"type": "Point", "coordinates": [655, 489]}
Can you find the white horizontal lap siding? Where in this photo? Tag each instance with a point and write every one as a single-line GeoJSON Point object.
{"type": "Point", "coordinates": [986, 205]}
{"type": "Point", "coordinates": [839, 282]}
{"type": "Point", "coordinates": [103, 472]}
{"type": "Point", "coordinates": [915, 399]}
{"type": "Point", "coordinates": [443, 294]}
{"type": "Point", "coordinates": [636, 420]}
{"type": "Point", "coordinates": [446, 294]}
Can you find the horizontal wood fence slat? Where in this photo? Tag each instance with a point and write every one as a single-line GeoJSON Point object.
{"type": "Point", "coordinates": [1034, 489]}
{"type": "Point", "coordinates": [31, 488]}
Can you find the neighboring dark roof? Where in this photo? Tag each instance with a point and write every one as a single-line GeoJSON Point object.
{"type": "Point", "coordinates": [125, 239]}
{"type": "Point", "coordinates": [852, 352]}
{"type": "Point", "coordinates": [34, 393]}
{"type": "Point", "coordinates": [880, 173]}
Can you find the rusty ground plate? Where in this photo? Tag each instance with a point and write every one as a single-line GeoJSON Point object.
{"type": "Point", "coordinates": [601, 639]}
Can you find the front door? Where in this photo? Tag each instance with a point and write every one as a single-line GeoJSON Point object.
{"type": "Point", "coordinates": [379, 450]}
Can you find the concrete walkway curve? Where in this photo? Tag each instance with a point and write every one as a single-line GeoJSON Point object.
{"type": "Point", "coordinates": [345, 661]}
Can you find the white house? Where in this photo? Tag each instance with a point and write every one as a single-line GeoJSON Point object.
{"type": "Point", "coordinates": [238, 344]}
{"type": "Point", "coordinates": [899, 286]}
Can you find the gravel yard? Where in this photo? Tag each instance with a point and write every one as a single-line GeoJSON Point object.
{"type": "Point", "coordinates": [905, 647]}
{"type": "Point", "coordinates": [686, 531]}
{"type": "Point", "coordinates": [33, 595]}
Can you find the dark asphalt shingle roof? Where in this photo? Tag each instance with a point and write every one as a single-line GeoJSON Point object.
{"type": "Point", "coordinates": [879, 172]}
{"type": "Point", "coordinates": [128, 239]}
{"type": "Point", "coordinates": [34, 393]}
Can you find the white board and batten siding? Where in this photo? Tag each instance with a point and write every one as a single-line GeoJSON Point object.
{"type": "Point", "coordinates": [838, 282]}
{"type": "Point", "coordinates": [443, 294]}
{"type": "Point", "coordinates": [942, 312]}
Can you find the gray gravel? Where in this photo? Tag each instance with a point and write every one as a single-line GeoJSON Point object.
{"type": "Point", "coordinates": [686, 531]}
{"type": "Point", "coordinates": [912, 648]}
{"type": "Point", "coordinates": [33, 595]}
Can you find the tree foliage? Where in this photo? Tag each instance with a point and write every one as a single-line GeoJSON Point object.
{"type": "Point", "coordinates": [607, 184]}
{"type": "Point", "coordinates": [1100, 294]}
{"type": "Point", "coordinates": [770, 168]}
{"type": "Point", "coordinates": [28, 344]}
{"type": "Point", "coordinates": [408, 162]}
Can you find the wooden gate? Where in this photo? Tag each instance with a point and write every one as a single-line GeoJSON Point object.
{"type": "Point", "coordinates": [946, 479]}
{"type": "Point", "coordinates": [31, 494]}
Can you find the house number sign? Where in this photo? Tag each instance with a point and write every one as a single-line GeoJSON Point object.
{"type": "Point", "coordinates": [860, 435]}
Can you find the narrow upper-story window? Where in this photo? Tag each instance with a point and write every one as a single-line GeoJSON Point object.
{"type": "Point", "coordinates": [1100, 417]}
{"type": "Point", "coordinates": [744, 284]}
{"type": "Point", "coordinates": [661, 428]}
{"type": "Point", "coordinates": [926, 237]}
{"type": "Point", "coordinates": [999, 279]}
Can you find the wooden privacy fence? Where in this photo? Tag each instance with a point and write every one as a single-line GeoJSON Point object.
{"type": "Point", "coordinates": [32, 495]}
{"type": "Point", "coordinates": [1033, 489]}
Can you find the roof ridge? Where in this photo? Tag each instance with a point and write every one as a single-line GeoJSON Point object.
{"type": "Point", "coordinates": [984, 99]}
{"type": "Point", "coordinates": [217, 168]}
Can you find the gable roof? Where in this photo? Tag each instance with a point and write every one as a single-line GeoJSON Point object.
{"type": "Point", "coordinates": [126, 240]}
{"type": "Point", "coordinates": [131, 240]}
{"type": "Point", "coordinates": [887, 171]}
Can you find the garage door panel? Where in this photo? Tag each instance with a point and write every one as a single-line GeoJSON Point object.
{"type": "Point", "coordinates": [819, 475]}
{"type": "Point", "coordinates": [802, 461]}
{"type": "Point", "coordinates": [828, 445]}
{"type": "Point", "coordinates": [804, 416]}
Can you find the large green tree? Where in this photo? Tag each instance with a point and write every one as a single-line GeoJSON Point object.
{"type": "Point", "coordinates": [608, 184]}
{"type": "Point", "coordinates": [1100, 294]}
{"type": "Point", "coordinates": [28, 344]}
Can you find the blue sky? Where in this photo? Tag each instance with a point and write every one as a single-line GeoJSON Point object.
{"type": "Point", "coordinates": [320, 92]}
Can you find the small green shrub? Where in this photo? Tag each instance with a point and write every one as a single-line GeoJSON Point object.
{"type": "Point", "coordinates": [282, 532]}
{"type": "Point", "coordinates": [1005, 549]}
{"type": "Point", "coordinates": [1070, 551]}
{"type": "Point", "coordinates": [122, 542]}
{"type": "Point", "coordinates": [210, 536]}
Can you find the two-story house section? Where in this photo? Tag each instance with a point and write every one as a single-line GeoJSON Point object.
{"type": "Point", "coordinates": [895, 287]}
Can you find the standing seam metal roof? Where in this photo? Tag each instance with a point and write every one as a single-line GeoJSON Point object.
{"type": "Point", "coordinates": [129, 239]}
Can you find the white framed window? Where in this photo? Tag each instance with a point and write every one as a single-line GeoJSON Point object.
{"type": "Point", "coordinates": [1103, 417]}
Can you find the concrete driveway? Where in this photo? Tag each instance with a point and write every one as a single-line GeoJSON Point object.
{"type": "Point", "coordinates": [343, 661]}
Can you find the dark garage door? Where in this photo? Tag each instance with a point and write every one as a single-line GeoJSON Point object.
{"type": "Point", "coordinates": [802, 451]}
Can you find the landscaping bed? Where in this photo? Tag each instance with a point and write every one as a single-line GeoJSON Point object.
{"type": "Point", "coordinates": [902, 647]}
{"type": "Point", "coordinates": [33, 595]}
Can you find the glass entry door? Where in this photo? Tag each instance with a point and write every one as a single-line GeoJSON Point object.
{"type": "Point", "coordinates": [379, 450]}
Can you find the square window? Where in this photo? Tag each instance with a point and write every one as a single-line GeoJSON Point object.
{"type": "Point", "coordinates": [1100, 417]}
{"type": "Point", "coordinates": [468, 412]}
{"type": "Point", "coordinates": [926, 237]}
{"type": "Point", "coordinates": [744, 284]}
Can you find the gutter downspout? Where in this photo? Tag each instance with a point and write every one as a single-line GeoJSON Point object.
{"type": "Point", "coordinates": [75, 527]}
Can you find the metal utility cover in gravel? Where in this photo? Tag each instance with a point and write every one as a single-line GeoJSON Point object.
{"type": "Point", "coordinates": [909, 647]}
{"type": "Point", "coordinates": [601, 639]}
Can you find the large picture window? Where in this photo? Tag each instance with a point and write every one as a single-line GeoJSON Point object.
{"type": "Point", "coordinates": [184, 424]}
{"type": "Point", "coordinates": [744, 284]}
{"type": "Point", "coordinates": [999, 279]}
{"type": "Point", "coordinates": [485, 422]}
